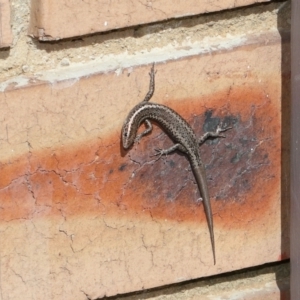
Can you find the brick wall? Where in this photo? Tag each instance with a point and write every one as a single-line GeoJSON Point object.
{"type": "Point", "coordinates": [82, 218]}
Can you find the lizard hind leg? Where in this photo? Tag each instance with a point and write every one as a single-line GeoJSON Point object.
{"type": "Point", "coordinates": [213, 134]}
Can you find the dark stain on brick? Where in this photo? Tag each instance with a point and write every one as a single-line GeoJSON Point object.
{"type": "Point", "coordinates": [243, 169]}
{"type": "Point", "coordinates": [122, 167]}
{"type": "Point", "coordinates": [171, 163]}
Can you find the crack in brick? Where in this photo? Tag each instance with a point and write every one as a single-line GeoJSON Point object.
{"type": "Point", "coordinates": [86, 295]}
{"type": "Point", "coordinates": [149, 4]}
{"type": "Point", "coordinates": [70, 236]}
{"type": "Point", "coordinates": [148, 250]}
{"type": "Point", "coordinates": [108, 226]}
{"type": "Point", "coordinates": [18, 275]}
{"type": "Point", "coordinates": [30, 187]}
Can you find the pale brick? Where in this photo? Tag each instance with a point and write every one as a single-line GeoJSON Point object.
{"type": "Point", "coordinates": [53, 20]}
{"type": "Point", "coordinates": [5, 27]}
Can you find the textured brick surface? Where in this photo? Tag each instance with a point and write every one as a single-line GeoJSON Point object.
{"type": "Point", "coordinates": [5, 30]}
{"type": "Point", "coordinates": [80, 217]}
{"type": "Point", "coordinates": [52, 20]}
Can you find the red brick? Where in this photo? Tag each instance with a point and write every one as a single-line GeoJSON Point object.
{"type": "Point", "coordinates": [79, 216]}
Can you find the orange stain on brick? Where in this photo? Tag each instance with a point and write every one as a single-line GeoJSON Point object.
{"type": "Point", "coordinates": [243, 170]}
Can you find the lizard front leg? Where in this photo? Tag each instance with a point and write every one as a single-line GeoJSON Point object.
{"type": "Point", "coordinates": [146, 131]}
{"type": "Point", "coordinates": [160, 152]}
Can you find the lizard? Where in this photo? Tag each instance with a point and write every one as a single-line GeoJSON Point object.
{"type": "Point", "coordinates": [180, 132]}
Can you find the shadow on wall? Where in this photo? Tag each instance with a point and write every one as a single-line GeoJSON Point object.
{"type": "Point", "coordinates": [284, 28]}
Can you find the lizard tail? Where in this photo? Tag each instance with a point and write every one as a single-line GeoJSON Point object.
{"type": "Point", "coordinates": [199, 173]}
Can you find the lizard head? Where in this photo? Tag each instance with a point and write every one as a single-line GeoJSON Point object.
{"type": "Point", "coordinates": [127, 135]}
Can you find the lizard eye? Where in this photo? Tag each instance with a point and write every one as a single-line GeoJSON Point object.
{"type": "Point", "coordinates": [125, 134]}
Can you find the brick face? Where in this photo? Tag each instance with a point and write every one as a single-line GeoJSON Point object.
{"type": "Point", "coordinates": [5, 26]}
{"type": "Point", "coordinates": [81, 217]}
{"type": "Point", "coordinates": [54, 20]}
